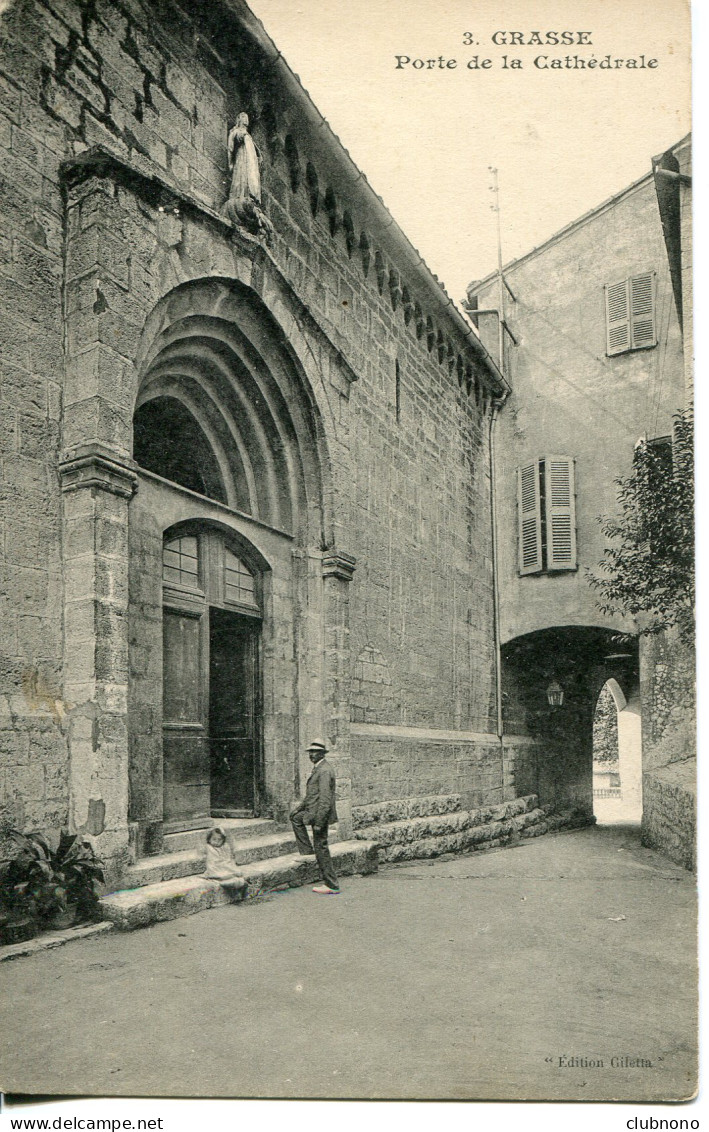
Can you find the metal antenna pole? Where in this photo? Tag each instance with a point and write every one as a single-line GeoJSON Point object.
{"type": "Point", "coordinates": [495, 189]}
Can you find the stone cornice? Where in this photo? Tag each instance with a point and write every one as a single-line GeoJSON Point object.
{"type": "Point", "coordinates": [90, 467]}
{"type": "Point", "coordinates": [160, 193]}
{"type": "Point", "coordinates": [336, 564]}
{"type": "Point", "coordinates": [98, 161]}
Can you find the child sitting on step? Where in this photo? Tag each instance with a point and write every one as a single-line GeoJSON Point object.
{"type": "Point", "coordinates": [221, 865]}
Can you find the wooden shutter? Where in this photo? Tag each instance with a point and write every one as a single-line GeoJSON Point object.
{"type": "Point", "coordinates": [642, 310]}
{"type": "Point", "coordinates": [617, 318]}
{"type": "Point", "coordinates": [560, 509]}
{"type": "Point", "coordinates": [529, 519]}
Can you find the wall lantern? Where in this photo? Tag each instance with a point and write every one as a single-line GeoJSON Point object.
{"type": "Point", "coordinates": [555, 694]}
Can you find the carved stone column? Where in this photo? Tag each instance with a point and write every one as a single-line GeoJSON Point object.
{"type": "Point", "coordinates": [338, 570]}
{"type": "Point", "coordinates": [96, 491]}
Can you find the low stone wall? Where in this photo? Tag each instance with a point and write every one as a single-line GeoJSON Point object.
{"type": "Point", "coordinates": [670, 812]}
{"type": "Point", "coordinates": [401, 808]}
{"type": "Point", "coordinates": [412, 835]}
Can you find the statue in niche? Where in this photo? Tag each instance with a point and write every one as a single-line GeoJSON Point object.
{"type": "Point", "coordinates": [244, 203]}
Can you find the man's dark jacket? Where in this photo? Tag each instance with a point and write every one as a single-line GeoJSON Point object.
{"type": "Point", "coordinates": [319, 800]}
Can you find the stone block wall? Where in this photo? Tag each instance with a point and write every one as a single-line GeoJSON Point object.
{"type": "Point", "coordinates": [668, 693]}
{"type": "Point", "coordinates": [670, 812]}
{"type": "Point", "coordinates": [145, 676]}
{"type": "Point", "coordinates": [401, 762]}
{"type": "Point", "coordinates": [521, 763]}
{"type": "Point", "coordinates": [34, 762]}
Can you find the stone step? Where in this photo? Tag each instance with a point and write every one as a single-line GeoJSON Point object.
{"type": "Point", "coordinates": [235, 827]}
{"type": "Point", "coordinates": [408, 830]}
{"type": "Point", "coordinates": [551, 822]}
{"type": "Point", "coordinates": [168, 866]}
{"type": "Point", "coordinates": [250, 849]}
{"type": "Point", "coordinates": [399, 809]}
{"type": "Point", "coordinates": [183, 896]}
{"type": "Point", "coordinates": [188, 862]}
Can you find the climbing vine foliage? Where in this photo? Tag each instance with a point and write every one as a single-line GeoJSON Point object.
{"type": "Point", "coordinates": [647, 570]}
{"type": "Point", "coordinates": [605, 730]}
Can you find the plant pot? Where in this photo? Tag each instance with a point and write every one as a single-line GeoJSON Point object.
{"type": "Point", "coordinates": [64, 918]}
{"type": "Point", "coordinates": [17, 930]}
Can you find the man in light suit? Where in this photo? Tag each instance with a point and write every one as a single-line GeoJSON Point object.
{"type": "Point", "coordinates": [317, 809]}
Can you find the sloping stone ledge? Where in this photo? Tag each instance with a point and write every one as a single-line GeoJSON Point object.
{"type": "Point", "coordinates": [493, 835]}
{"type": "Point", "coordinates": [53, 939]}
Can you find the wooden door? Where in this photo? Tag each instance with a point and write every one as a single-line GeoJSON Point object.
{"type": "Point", "coordinates": [211, 721]}
{"type": "Point", "coordinates": [233, 711]}
{"type": "Point", "coordinates": [186, 797]}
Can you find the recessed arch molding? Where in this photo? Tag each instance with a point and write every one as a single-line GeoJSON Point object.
{"type": "Point", "coordinates": [239, 422]}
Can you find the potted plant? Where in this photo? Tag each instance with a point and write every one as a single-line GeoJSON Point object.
{"type": "Point", "coordinates": [53, 887]}
{"type": "Point", "coordinates": [19, 919]}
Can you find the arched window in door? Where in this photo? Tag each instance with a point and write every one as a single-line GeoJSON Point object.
{"type": "Point", "coordinates": [239, 582]}
{"type": "Point", "coordinates": [180, 562]}
{"type": "Point", "coordinates": [212, 599]}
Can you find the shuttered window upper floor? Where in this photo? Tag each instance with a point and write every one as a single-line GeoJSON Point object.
{"type": "Point", "coordinates": [630, 314]}
{"type": "Point", "coordinates": [546, 515]}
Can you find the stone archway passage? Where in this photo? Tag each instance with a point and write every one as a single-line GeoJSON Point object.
{"type": "Point", "coordinates": [581, 660]}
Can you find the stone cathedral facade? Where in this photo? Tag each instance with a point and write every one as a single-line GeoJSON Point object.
{"type": "Point", "coordinates": [245, 470]}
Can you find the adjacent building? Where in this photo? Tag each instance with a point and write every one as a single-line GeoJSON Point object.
{"type": "Point", "coordinates": [590, 330]}
{"type": "Point", "coordinates": [668, 663]}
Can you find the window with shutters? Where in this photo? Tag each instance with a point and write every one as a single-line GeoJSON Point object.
{"type": "Point", "coordinates": [630, 314]}
{"type": "Point", "coordinates": [530, 518]}
{"type": "Point", "coordinates": [546, 515]}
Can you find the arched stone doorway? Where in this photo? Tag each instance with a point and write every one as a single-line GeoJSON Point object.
{"type": "Point", "coordinates": [617, 756]}
{"type": "Point", "coordinates": [227, 594]}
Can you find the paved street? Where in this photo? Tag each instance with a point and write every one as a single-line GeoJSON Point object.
{"type": "Point", "coordinates": [462, 978]}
